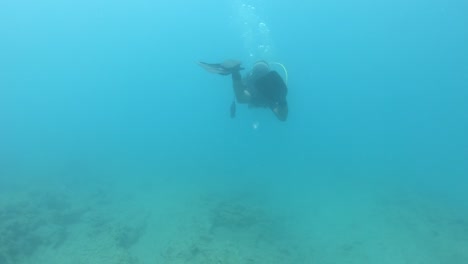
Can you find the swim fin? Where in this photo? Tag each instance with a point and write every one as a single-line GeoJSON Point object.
{"type": "Point", "coordinates": [225, 68]}
{"type": "Point", "coordinates": [233, 109]}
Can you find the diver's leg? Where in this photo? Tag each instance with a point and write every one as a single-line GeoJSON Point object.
{"type": "Point", "coordinates": [240, 90]}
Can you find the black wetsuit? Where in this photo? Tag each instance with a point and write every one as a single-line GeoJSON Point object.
{"type": "Point", "coordinates": [262, 89]}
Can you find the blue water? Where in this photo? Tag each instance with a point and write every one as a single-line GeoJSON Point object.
{"type": "Point", "coordinates": [116, 147]}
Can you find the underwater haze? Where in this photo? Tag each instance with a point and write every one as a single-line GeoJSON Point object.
{"type": "Point", "coordinates": [116, 147]}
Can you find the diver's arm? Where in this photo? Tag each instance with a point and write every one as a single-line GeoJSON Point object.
{"type": "Point", "coordinates": [240, 90]}
{"type": "Point", "coordinates": [232, 67]}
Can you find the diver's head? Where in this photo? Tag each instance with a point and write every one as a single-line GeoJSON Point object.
{"type": "Point", "coordinates": [281, 110]}
{"type": "Point", "coordinates": [260, 68]}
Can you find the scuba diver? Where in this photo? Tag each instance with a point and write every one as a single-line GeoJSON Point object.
{"type": "Point", "coordinates": [261, 87]}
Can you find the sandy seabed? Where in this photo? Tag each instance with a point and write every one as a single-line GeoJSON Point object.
{"type": "Point", "coordinates": [162, 223]}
